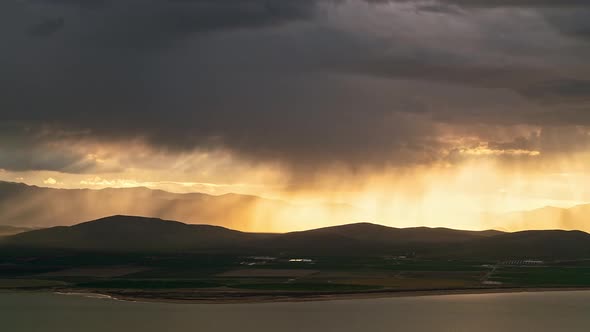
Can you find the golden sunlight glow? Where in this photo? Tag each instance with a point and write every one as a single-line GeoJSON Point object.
{"type": "Point", "coordinates": [479, 192]}
{"type": "Point", "coordinates": [486, 151]}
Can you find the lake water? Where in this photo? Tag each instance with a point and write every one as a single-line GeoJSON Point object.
{"type": "Point", "coordinates": [530, 312]}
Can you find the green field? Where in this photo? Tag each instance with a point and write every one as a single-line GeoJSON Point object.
{"type": "Point", "coordinates": [553, 276]}
{"type": "Point", "coordinates": [147, 284]}
{"type": "Point", "coordinates": [29, 283]}
{"type": "Point", "coordinates": [74, 270]}
{"type": "Point", "coordinates": [305, 287]}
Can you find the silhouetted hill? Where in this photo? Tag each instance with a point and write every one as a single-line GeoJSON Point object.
{"type": "Point", "coordinates": [526, 244]}
{"type": "Point", "coordinates": [370, 237]}
{"type": "Point", "coordinates": [375, 232]}
{"type": "Point", "coordinates": [129, 233]}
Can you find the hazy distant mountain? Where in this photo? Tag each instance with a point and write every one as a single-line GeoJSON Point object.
{"type": "Point", "coordinates": [10, 230]}
{"type": "Point", "coordinates": [23, 205]}
{"type": "Point", "coordinates": [30, 206]}
{"type": "Point", "coordinates": [574, 218]}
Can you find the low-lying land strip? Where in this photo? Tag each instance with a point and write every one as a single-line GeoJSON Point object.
{"type": "Point", "coordinates": [231, 278]}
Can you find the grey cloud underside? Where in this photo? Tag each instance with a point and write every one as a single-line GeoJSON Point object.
{"type": "Point", "coordinates": [568, 16]}
{"type": "Point", "coordinates": [308, 82]}
{"type": "Point", "coordinates": [46, 28]}
{"type": "Point", "coordinates": [495, 3]}
{"type": "Point", "coordinates": [23, 149]}
{"type": "Point", "coordinates": [518, 3]}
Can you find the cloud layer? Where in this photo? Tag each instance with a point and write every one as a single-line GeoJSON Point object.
{"type": "Point", "coordinates": [307, 84]}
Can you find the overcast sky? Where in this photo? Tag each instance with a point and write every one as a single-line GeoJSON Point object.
{"type": "Point", "coordinates": [250, 93]}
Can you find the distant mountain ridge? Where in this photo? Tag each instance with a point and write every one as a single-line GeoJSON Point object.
{"type": "Point", "coordinates": [31, 206]}
{"type": "Point", "coordinates": [22, 205]}
{"type": "Point", "coordinates": [130, 233]}
{"type": "Point", "coordinates": [371, 237]}
{"type": "Point", "coordinates": [11, 230]}
{"type": "Point", "coordinates": [555, 244]}
{"type": "Point", "coordinates": [549, 217]}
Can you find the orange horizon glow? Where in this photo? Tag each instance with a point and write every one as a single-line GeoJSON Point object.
{"type": "Point", "coordinates": [475, 194]}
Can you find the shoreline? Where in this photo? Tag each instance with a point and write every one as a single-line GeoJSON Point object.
{"type": "Point", "coordinates": [254, 298]}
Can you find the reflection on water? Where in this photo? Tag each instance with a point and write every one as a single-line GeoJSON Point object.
{"type": "Point", "coordinates": [552, 311]}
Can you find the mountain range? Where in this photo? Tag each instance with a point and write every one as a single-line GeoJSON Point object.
{"type": "Point", "coordinates": [549, 217]}
{"type": "Point", "coordinates": [27, 206]}
{"type": "Point", "coordinates": [22, 205]}
{"type": "Point", "coordinates": [132, 234]}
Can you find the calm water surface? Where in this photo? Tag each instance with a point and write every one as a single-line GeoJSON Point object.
{"type": "Point", "coordinates": [538, 312]}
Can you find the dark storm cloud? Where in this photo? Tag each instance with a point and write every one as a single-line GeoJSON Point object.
{"type": "Point", "coordinates": [494, 3]}
{"type": "Point", "coordinates": [155, 23]}
{"type": "Point", "coordinates": [46, 28]}
{"type": "Point", "coordinates": [540, 85]}
{"type": "Point", "coordinates": [569, 17]}
{"type": "Point", "coordinates": [557, 91]}
{"type": "Point", "coordinates": [485, 76]}
{"type": "Point", "coordinates": [549, 140]}
{"type": "Point", "coordinates": [194, 15]}
{"type": "Point", "coordinates": [556, 85]}
{"type": "Point", "coordinates": [572, 23]}
{"type": "Point", "coordinates": [248, 94]}
{"type": "Point", "coordinates": [306, 82]}
{"type": "Point", "coordinates": [23, 149]}
{"type": "Point", "coordinates": [31, 158]}
{"type": "Point", "coordinates": [518, 3]}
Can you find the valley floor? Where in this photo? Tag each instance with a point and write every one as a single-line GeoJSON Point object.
{"type": "Point", "coordinates": [216, 278]}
